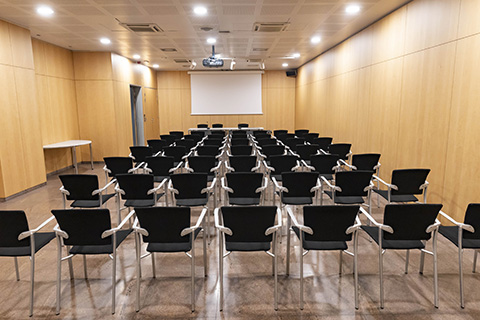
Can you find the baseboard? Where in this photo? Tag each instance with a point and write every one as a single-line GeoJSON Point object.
{"type": "Point", "coordinates": [23, 192]}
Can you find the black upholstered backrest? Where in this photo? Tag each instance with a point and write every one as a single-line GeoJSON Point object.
{"type": "Point", "coordinates": [301, 132]}
{"type": "Point", "coordinates": [177, 134]}
{"type": "Point", "coordinates": [266, 141]}
{"type": "Point", "coordinates": [248, 224]}
{"type": "Point", "coordinates": [239, 134]}
{"type": "Point", "coordinates": [241, 150]}
{"type": "Point", "coordinates": [187, 143]}
{"type": "Point", "coordinates": [243, 125]}
{"type": "Point", "coordinates": [189, 185]}
{"type": "Point", "coordinates": [273, 150]}
{"type": "Point", "coordinates": [216, 135]}
{"type": "Point", "coordinates": [353, 183]}
{"type": "Point", "coordinates": [244, 184]}
{"type": "Point", "coordinates": [329, 223]}
{"type": "Point", "coordinates": [160, 165]}
{"type": "Point", "coordinates": [294, 142]}
{"type": "Point", "coordinates": [164, 224]}
{"type": "Point", "coordinates": [177, 152]}
{"type": "Point", "coordinates": [239, 141]}
{"type": "Point", "coordinates": [283, 163]}
{"type": "Point", "coordinates": [216, 142]}
{"type": "Point", "coordinates": [309, 137]}
{"type": "Point", "coordinates": [324, 163]}
{"type": "Point", "coordinates": [281, 131]}
{"type": "Point", "coordinates": [409, 181]}
{"type": "Point", "coordinates": [157, 144]}
{"type": "Point", "coordinates": [305, 151]}
{"type": "Point", "coordinates": [202, 125]}
{"type": "Point", "coordinates": [136, 186]}
{"type": "Point", "coordinates": [12, 223]}
{"type": "Point", "coordinates": [195, 137]}
{"type": "Point", "coordinates": [168, 137]}
{"type": "Point", "coordinates": [80, 186]}
{"type": "Point", "coordinates": [409, 221]}
{"type": "Point", "coordinates": [242, 163]}
{"type": "Point", "coordinates": [84, 226]}
{"type": "Point", "coordinates": [118, 165]}
{"type": "Point", "coordinates": [323, 142]}
{"type": "Point", "coordinates": [342, 149]}
{"type": "Point", "coordinates": [257, 133]}
{"type": "Point", "coordinates": [472, 217]}
{"type": "Point", "coordinates": [217, 125]}
{"type": "Point", "coordinates": [202, 164]}
{"type": "Point", "coordinates": [365, 161]}
{"type": "Point", "coordinates": [207, 151]}
{"type": "Point", "coordinates": [299, 184]}
{"type": "Point", "coordinates": [284, 136]}
{"type": "Point", "coordinates": [140, 152]}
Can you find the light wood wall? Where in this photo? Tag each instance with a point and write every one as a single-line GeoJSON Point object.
{"type": "Point", "coordinates": [174, 102]}
{"type": "Point", "coordinates": [407, 87]}
{"type": "Point", "coordinates": [21, 158]}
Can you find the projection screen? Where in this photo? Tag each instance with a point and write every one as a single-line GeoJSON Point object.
{"type": "Point", "coordinates": [226, 93]}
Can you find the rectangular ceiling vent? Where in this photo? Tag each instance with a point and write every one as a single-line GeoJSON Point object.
{"type": "Point", "coordinates": [223, 31]}
{"type": "Point", "coordinates": [181, 61]}
{"type": "Point", "coordinates": [168, 49]}
{"type": "Point", "coordinates": [142, 27]}
{"type": "Point", "coordinates": [254, 60]}
{"type": "Point", "coordinates": [260, 49]}
{"type": "Point", "coordinates": [270, 27]}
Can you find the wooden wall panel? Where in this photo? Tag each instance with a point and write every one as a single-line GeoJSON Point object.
{"type": "Point", "coordinates": [469, 23]}
{"type": "Point", "coordinates": [21, 46]}
{"type": "Point", "coordinates": [92, 65]}
{"type": "Point", "coordinates": [152, 125]}
{"type": "Point", "coordinates": [5, 49]}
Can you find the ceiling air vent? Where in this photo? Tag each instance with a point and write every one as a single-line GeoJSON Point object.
{"type": "Point", "coordinates": [223, 31]}
{"type": "Point", "coordinates": [181, 61]}
{"type": "Point", "coordinates": [270, 27]}
{"type": "Point", "coordinates": [168, 49]}
{"type": "Point", "coordinates": [142, 27]}
{"type": "Point", "coordinates": [254, 60]}
{"type": "Point", "coordinates": [260, 49]}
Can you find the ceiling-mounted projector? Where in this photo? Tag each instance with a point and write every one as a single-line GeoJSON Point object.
{"type": "Point", "coordinates": [212, 62]}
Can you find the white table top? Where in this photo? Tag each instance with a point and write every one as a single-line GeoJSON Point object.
{"type": "Point", "coordinates": [226, 129]}
{"type": "Point", "coordinates": [67, 144]}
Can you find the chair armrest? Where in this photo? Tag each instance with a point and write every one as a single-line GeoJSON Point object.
{"type": "Point", "coordinates": [268, 167]}
{"type": "Point", "coordinates": [106, 169]}
{"type": "Point", "coordinates": [103, 189]}
{"type": "Point", "coordinates": [138, 229]}
{"type": "Point", "coordinates": [355, 227]}
{"type": "Point", "coordinates": [179, 165]}
{"type": "Point", "coordinates": [390, 186]}
{"type": "Point", "coordinates": [224, 186]}
{"type": "Point", "coordinates": [318, 186]}
{"type": "Point", "coordinates": [196, 226]}
{"type": "Point", "coordinates": [217, 167]}
{"type": "Point", "coordinates": [433, 227]}
{"type": "Point", "coordinates": [295, 222]}
{"type": "Point", "coordinates": [424, 186]}
{"type": "Point", "coordinates": [161, 185]}
{"type": "Point", "coordinates": [171, 188]}
{"type": "Point", "coordinates": [377, 166]}
{"type": "Point", "coordinates": [371, 186]}
{"type": "Point", "coordinates": [323, 151]}
{"type": "Point", "coordinates": [221, 154]}
{"type": "Point", "coordinates": [307, 166]}
{"type": "Point", "coordinates": [229, 168]}
{"type": "Point", "coordinates": [59, 232]}
{"type": "Point", "coordinates": [298, 166]}
{"type": "Point", "coordinates": [28, 233]}
{"type": "Point", "coordinates": [189, 169]}
{"type": "Point", "coordinates": [187, 155]}
{"type": "Point", "coordinates": [331, 185]}
{"type": "Point", "coordinates": [64, 191]}
{"type": "Point", "coordinates": [279, 187]}
{"type": "Point", "coordinates": [212, 186]}
{"type": "Point", "coordinates": [276, 227]}
{"type": "Point", "coordinates": [343, 162]}
{"type": "Point", "coordinates": [257, 167]}
{"type": "Point", "coordinates": [220, 227]}
{"type": "Point", "coordinates": [118, 190]}
{"type": "Point", "coordinates": [111, 231]}
{"type": "Point", "coordinates": [458, 224]}
{"type": "Point", "coordinates": [147, 169]}
{"type": "Point", "coordinates": [263, 187]}
{"type": "Point", "coordinates": [383, 227]}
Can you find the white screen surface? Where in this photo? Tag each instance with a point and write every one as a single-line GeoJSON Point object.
{"type": "Point", "coordinates": [226, 93]}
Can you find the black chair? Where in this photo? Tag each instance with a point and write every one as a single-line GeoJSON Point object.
{"type": "Point", "coordinates": [213, 142]}
{"type": "Point", "coordinates": [177, 152]}
{"type": "Point", "coordinates": [239, 142]}
{"type": "Point", "coordinates": [241, 150]}
{"type": "Point", "coordinates": [272, 150]}
{"type": "Point", "coordinates": [301, 132]}
{"type": "Point", "coordinates": [242, 125]}
{"type": "Point", "coordinates": [325, 228]}
{"type": "Point", "coordinates": [202, 125]}
{"type": "Point", "coordinates": [248, 229]}
{"type": "Point", "coordinates": [284, 136]}
{"type": "Point", "coordinates": [187, 143]}
{"type": "Point", "coordinates": [244, 188]}
{"type": "Point", "coordinates": [168, 138]}
{"type": "Point", "coordinates": [365, 161]}
{"type": "Point", "coordinates": [323, 142]}
{"type": "Point", "coordinates": [84, 232]}
{"type": "Point", "coordinates": [279, 164]}
{"type": "Point", "coordinates": [298, 188]}
{"type": "Point", "coordinates": [239, 134]}
{"type": "Point", "coordinates": [116, 165]}
{"type": "Point", "coordinates": [292, 143]}
{"type": "Point", "coordinates": [84, 191]}
{"type": "Point", "coordinates": [195, 137]}
{"type": "Point", "coordinates": [350, 187]}
{"type": "Point", "coordinates": [406, 183]}
{"type": "Point", "coordinates": [208, 151]}
{"type": "Point", "coordinates": [242, 164]}
{"type": "Point", "coordinates": [217, 125]}
{"type": "Point", "coordinates": [325, 164]}
{"type": "Point", "coordinates": [266, 141]}
{"type": "Point", "coordinates": [464, 235]}
{"type": "Point", "coordinates": [177, 134]}
{"type": "Point", "coordinates": [342, 149]}
{"type": "Point", "coordinates": [157, 145]}
{"type": "Point", "coordinates": [161, 167]}
{"type": "Point", "coordinates": [204, 164]}
{"type": "Point", "coordinates": [137, 190]}
{"type": "Point", "coordinates": [309, 137]}
{"type": "Point", "coordinates": [306, 151]}
{"type": "Point", "coordinates": [139, 153]}
{"type": "Point", "coordinates": [279, 132]}
{"type": "Point", "coordinates": [166, 230]}
{"type": "Point", "coordinates": [17, 240]}
{"type": "Point", "coordinates": [257, 133]}
{"type": "Point", "coordinates": [406, 227]}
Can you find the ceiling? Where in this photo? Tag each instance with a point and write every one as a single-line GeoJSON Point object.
{"type": "Point", "coordinates": [79, 24]}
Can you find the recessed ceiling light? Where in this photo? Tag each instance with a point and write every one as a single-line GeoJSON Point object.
{"type": "Point", "coordinates": [296, 55]}
{"type": "Point", "coordinates": [45, 11]}
{"type": "Point", "coordinates": [352, 9]}
{"type": "Point", "coordinates": [200, 11]}
{"type": "Point", "coordinates": [105, 41]}
{"type": "Point", "coordinates": [316, 39]}
{"type": "Point", "coordinates": [136, 56]}
{"type": "Point", "coordinates": [284, 64]}
{"type": "Point", "coordinates": [211, 40]}
{"type": "Point", "coordinates": [156, 66]}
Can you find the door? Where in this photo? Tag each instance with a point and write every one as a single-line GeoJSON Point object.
{"type": "Point", "coordinates": [136, 102]}
{"type": "Point", "coordinates": [152, 122]}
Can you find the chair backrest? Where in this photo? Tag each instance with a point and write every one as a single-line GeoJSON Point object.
{"type": "Point", "coordinates": [160, 165]}
{"type": "Point", "coordinates": [84, 226]}
{"type": "Point", "coordinates": [177, 152]}
{"type": "Point", "coordinates": [239, 134]}
{"type": "Point", "coordinates": [164, 224]}
{"type": "Point", "coordinates": [12, 223]}
{"type": "Point", "coordinates": [136, 186]}
{"type": "Point", "coordinates": [243, 125]}
{"type": "Point", "coordinates": [281, 131]}
{"type": "Point", "coordinates": [241, 150]}
{"type": "Point", "coordinates": [323, 142]}
{"type": "Point", "coordinates": [177, 134]}
{"type": "Point", "coordinates": [352, 183]}
{"type": "Point", "coordinates": [324, 163]}
{"type": "Point", "coordinates": [202, 164]}
{"type": "Point", "coordinates": [342, 149]}
{"type": "Point", "coordinates": [248, 224]}
{"type": "Point", "coordinates": [266, 141]}
{"type": "Point", "coordinates": [167, 137]}
{"type": "Point", "coordinates": [365, 161]}
{"type": "Point", "coordinates": [409, 221]}
{"type": "Point", "coordinates": [283, 163]}
{"type": "Point", "coordinates": [329, 223]}
{"type": "Point", "coordinates": [301, 132]}
{"type": "Point", "coordinates": [242, 163]}
{"type": "Point", "coordinates": [140, 152]}
{"type": "Point", "coordinates": [157, 144]}
{"type": "Point", "coordinates": [202, 125]}
{"type": "Point", "coordinates": [216, 135]}
{"type": "Point", "coordinates": [311, 136]}
{"type": "Point", "coordinates": [472, 217]}
{"type": "Point", "coordinates": [239, 141]}
{"type": "Point", "coordinates": [189, 185]}
{"type": "Point", "coordinates": [260, 133]}
{"type": "Point", "coordinates": [244, 184]}
{"type": "Point", "coordinates": [195, 137]}
{"type": "Point", "coordinates": [273, 150]}
{"type": "Point", "coordinates": [299, 184]}
{"type": "Point", "coordinates": [305, 151]}
{"type": "Point", "coordinates": [118, 165]}
{"type": "Point", "coordinates": [292, 143]}
{"type": "Point", "coordinates": [80, 186]}
{"type": "Point", "coordinates": [409, 181]}
{"type": "Point", "coordinates": [207, 151]}
{"type": "Point", "coordinates": [187, 143]}
{"type": "Point", "coordinates": [217, 125]}
{"type": "Point", "coordinates": [213, 142]}
{"type": "Point", "coordinates": [284, 136]}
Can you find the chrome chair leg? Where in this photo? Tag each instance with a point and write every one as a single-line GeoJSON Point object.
{"type": "Point", "coordinates": [32, 280]}
{"type": "Point", "coordinates": [137, 252]}
{"type": "Point", "coordinates": [59, 273]}
{"type": "Point", "coordinates": [288, 245]}
{"type": "Point", "coordinates": [301, 269]}
{"type": "Point", "coordinates": [435, 270]}
{"type": "Point", "coordinates": [460, 272]}
{"type": "Point", "coordinates": [422, 261]}
{"type": "Point", "coordinates": [17, 273]}
{"type": "Point", "coordinates": [340, 263]}
{"type": "Point", "coordinates": [70, 263]}
{"type": "Point", "coordinates": [153, 265]}
{"type": "Point", "coordinates": [474, 260]}
{"type": "Point", "coordinates": [193, 273]}
{"type": "Point", "coordinates": [114, 272]}
{"type": "Point", "coordinates": [380, 268]}
{"type": "Point", "coordinates": [407, 258]}
{"type": "Point", "coordinates": [275, 272]}
{"type": "Point", "coordinates": [85, 266]}
{"type": "Point", "coordinates": [204, 251]}
{"type": "Point", "coordinates": [220, 267]}
{"type": "Point", "coordinates": [355, 266]}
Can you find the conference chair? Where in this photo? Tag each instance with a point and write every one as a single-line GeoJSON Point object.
{"type": "Point", "coordinates": [240, 141]}
{"type": "Point", "coordinates": [298, 188]}
{"type": "Point", "coordinates": [242, 125]}
{"type": "Point", "coordinates": [18, 240]}
{"type": "Point", "coordinates": [216, 142]}
{"type": "Point", "coordinates": [349, 187]}
{"type": "Point", "coordinates": [177, 134]}
{"type": "Point", "coordinates": [464, 235]}
{"type": "Point", "coordinates": [268, 151]}
{"type": "Point", "coordinates": [168, 138]}
{"type": "Point", "coordinates": [282, 137]}
{"type": "Point", "coordinates": [84, 232]}
{"type": "Point", "coordinates": [138, 154]}
{"type": "Point", "coordinates": [157, 145]}
{"type": "Point", "coordinates": [301, 132]}
{"type": "Point", "coordinates": [217, 125]}
{"type": "Point", "coordinates": [365, 161]}
{"type": "Point", "coordinates": [84, 191]}
{"type": "Point", "coordinates": [161, 167]}
{"type": "Point", "coordinates": [202, 125]}
{"type": "Point", "coordinates": [167, 230]}
{"type": "Point", "coordinates": [195, 137]}
{"type": "Point", "coordinates": [261, 142]}
{"type": "Point", "coordinates": [405, 184]}
{"type": "Point", "coordinates": [244, 188]}
{"type": "Point", "coordinates": [309, 137]}
{"type": "Point", "coordinates": [325, 164]}
{"type": "Point", "coordinates": [239, 133]}
{"type": "Point", "coordinates": [204, 164]}
{"type": "Point", "coordinates": [292, 143]}
{"type": "Point", "coordinates": [248, 229]}
{"type": "Point", "coordinates": [242, 164]}
{"type": "Point", "coordinates": [406, 227]}
{"type": "Point", "coordinates": [306, 151]}
{"type": "Point", "coordinates": [116, 165]}
{"type": "Point", "coordinates": [187, 143]}
{"type": "Point", "coordinates": [280, 131]}
{"type": "Point", "coordinates": [342, 149]}
{"type": "Point", "coordinates": [279, 164]}
{"type": "Point", "coordinates": [325, 228]}
{"type": "Point", "coordinates": [241, 150]}
{"type": "Point", "coordinates": [260, 133]}
{"type": "Point", "coordinates": [208, 150]}
{"type": "Point", "coordinates": [323, 142]}
{"type": "Point", "coordinates": [177, 152]}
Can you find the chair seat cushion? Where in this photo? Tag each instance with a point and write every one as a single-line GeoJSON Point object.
{"type": "Point", "coordinates": [41, 240]}
{"type": "Point", "coordinates": [296, 200]}
{"type": "Point", "coordinates": [247, 246]}
{"type": "Point", "coordinates": [451, 233]}
{"type": "Point", "coordinates": [140, 202]}
{"type": "Point", "coordinates": [101, 249]}
{"type": "Point", "coordinates": [192, 202]}
{"type": "Point", "coordinates": [244, 201]}
{"type": "Point", "coordinates": [91, 203]}
{"type": "Point", "coordinates": [344, 199]}
{"type": "Point", "coordinates": [321, 245]}
{"type": "Point", "coordinates": [172, 246]}
{"type": "Point", "coordinates": [393, 244]}
{"type": "Point", "coordinates": [396, 197]}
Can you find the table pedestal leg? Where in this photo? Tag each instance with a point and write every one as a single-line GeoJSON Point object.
{"type": "Point", "coordinates": [91, 156]}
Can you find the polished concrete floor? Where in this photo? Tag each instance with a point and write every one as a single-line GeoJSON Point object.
{"type": "Point", "coordinates": [248, 280]}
